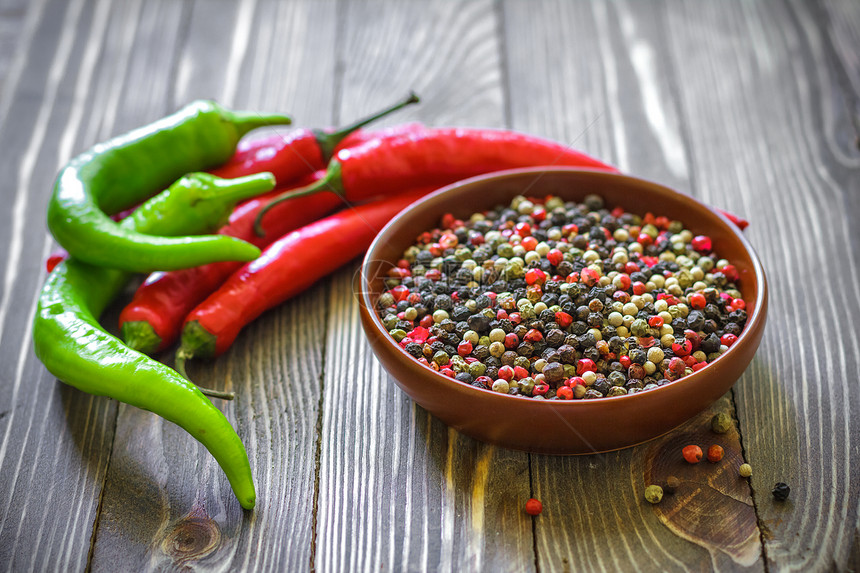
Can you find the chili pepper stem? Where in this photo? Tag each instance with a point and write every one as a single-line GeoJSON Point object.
{"type": "Point", "coordinates": [216, 393]}
{"type": "Point", "coordinates": [328, 141]}
{"type": "Point", "coordinates": [240, 188]}
{"type": "Point", "coordinates": [331, 182]}
{"type": "Point", "coordinates": [246, 121]}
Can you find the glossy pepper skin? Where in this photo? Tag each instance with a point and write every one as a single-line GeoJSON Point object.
{"type": "Point", "coordinates": [72, 345]}
{"type": "Point", "coordinates": [286, 268]}
{"type": "Point", "coordinates": [128, 169]}
{"type": "Point", "coordinates": [303, 151]}
{"type": "Point", "coordinates": [435, 157]}
{"type": "Point", "coordinates": [152, 320]}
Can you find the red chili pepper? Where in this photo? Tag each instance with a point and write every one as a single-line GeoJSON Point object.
{"type": "Point", "coordinates": [287, 267]}
{"type": "Point", "coordinates": [153, 319]}
{"type": "Point", "coordinates": [303, 151]}
{"type": "Point", "coordinates": [436, 157]}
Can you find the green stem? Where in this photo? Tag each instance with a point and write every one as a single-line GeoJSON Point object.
{"type": "Point", "coordinates": [179, 366]}
{"type": "Point", "coordinates": [328, 141]}
{"type": "Point", "coordinates": [246, 121]}
{"type": "Point", "coordinates": [330, 182]}
{"type": "Point", "coordinates": [241, 188]}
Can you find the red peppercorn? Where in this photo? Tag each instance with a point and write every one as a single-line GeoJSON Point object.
{"type": "Point", "coordinates": [698, 366]}
{"type": "Point", "coordinates": [534, 507]}
{"type": "Point", "coordinates": [501, 314]}
{"type": "Point", "coordinates": [682, 349]}
{"type": "Point", "coordinates": [584, 365]}
{"type": "Point", "coordinates": [639, 288]}
{"type": "Point", "coordinates": [520, 373]}
{"type": "Point", "coordinates": [399, 293]}
{"type": "Point", "coordinates": [576, 381]}
{"type": "Point", "coordinates": [533, 335]}
{"type": "Point", "coordinates": [715, 453]}
{"type": "Point", "coordinates": [564, 393]}
{"type": "Point", "coordinates": [655, 322]}
{"type": "Point", "coordinates": [739, 304]}
{"type": "Point", "coordinates": [426, 321]}
{"type": "Point", "coordinates": [515, 318]}
{"type": "Point", "coordinates": [730, 272]}
{"type": "Point", "coordinates": [644, 239]}
{"type": "Point", "coordinates": [529, 243]}
{"type": "Point", "coordinates": [554, 256]}
{"type": "Point", "coordinates": [539, 214]}
{"type": "Point", "coordinates": [535, 276]}
{"type": "Point", "coordinates": [569, 229]}
{"type": "Point", "coordinates": [485, 380]}
{"type": "Point", "coordinates": [506, 373]}
{"type": "Point", "coordinates": [523, 229]}
{"type": "Point", "coordinates": [697, 301]}
{"type": "Point", "coordinates": [511, 341]}
{"type": "Point", "coordinates": [447, 372]}
{"type": "Point", "coordinates": [563, 319]}
{"type": "Point", "coordinates": [623, 282]}
{"type": "Point", "coordinates": [464, 348]}
{"type": "Point", "coordinates": [702, 243]}
{"type": "Point", "coordinates": [589, 277]}
{"type": "Point", "coordinates": [447, 220]}
{"type": "Point", "coordinates": [540, 389]}
{"type": "Point", "coordinates": [728, 339]}
{"type": "Point", "coordinates": [433, 274]}
{"type": "Point", "coordinates": [625, 361]}
{"type": "Point", "coordinates": [631, 268]}
{"type": "Point", "coordinates": [693, 454]}
{"type": "Point", "coordinates": [677, 366]}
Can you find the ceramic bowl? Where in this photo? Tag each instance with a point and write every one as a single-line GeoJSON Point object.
{"type": "Point", "coordinates": [555, 426]}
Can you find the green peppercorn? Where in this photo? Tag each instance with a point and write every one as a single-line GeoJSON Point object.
{"type": "Point", "coordinates": [397, 334]}
{"type": "Point", "coordinates": [441, 358]}
{"type": "Point", "coordinates": [477, 369]}
{"type": "Point", "coordinates": [721, 423]}
{"type": "Point", "coordinates": [653, 493]}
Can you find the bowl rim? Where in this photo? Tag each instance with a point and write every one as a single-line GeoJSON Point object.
{"type": "Point", "coordinates": [753, 317]}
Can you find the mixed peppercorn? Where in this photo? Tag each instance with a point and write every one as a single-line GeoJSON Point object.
{"type": "Point", "coordinates": [559, 300]}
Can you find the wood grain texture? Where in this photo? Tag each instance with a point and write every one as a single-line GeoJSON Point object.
{"type": "Point", "coordinates": [55, 440]}
{"type": "Point", "coordinates": [398, 490]}
{"type": "Point", "coordinates": [749, 106]}
{"type": "Point", "coordinates": [244, 54]}
{"type": "Point", "coordinates": [797, 403]}
{"type": "Point", "coordinates": [618, 101]}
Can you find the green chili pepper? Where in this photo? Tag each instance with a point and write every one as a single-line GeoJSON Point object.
{"type": "Point", "coordinates": [71, 344]}
{"type": "Point", "coordinates": [128, 169]}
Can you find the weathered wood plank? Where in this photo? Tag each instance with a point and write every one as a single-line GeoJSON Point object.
{"type": "Point", "coordinates": [398, 490]}
{"type": "Point", "coordinates": [841, 22]}
{"type": "Point", "coordinates": [617, 100]}
{"type": "Point", "coordinates": [56, 441]}
{"type": "Point", "coordinates": [263, 55]}
{"type": "Point", "coordinates": [760, 99]}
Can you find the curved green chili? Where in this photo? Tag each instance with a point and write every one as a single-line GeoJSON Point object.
{"type": "Point", "coordinates": [74, 348]}
{"type": "Point", "coordinates": [128, 169]}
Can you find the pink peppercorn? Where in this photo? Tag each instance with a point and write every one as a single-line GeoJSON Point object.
{"type": "Point", "coordinates": [534, 507]}
{"type": "Point", "coordinates": [702, 243]}
{"type": "Point", "coordinates": [520, 372]}
{"type": "Point", "coordinates": [563, 319]}
{"type": "Point", "coordinates": [529, 243]}
{"type": "Point", "coordinates": [533, 335]}
{"type": "Point", "coordinates": [655, 322]}
{"type": "Point", "coordinates": [511, 340]}
{"type": "Point", "coordinates": [584, 365]}
{"type": "Point", "coordinates": [697, 301]}
{"type": "Point", "coordinates": [693, 454]}
{"type": "Point", "coordinates": [535, 276]}
{"type": "Point", "coordinates": [506, 373]}
{"type": "Point", "coordinates": [464, 348]}
{"type": "Point", "coordinates": [540, 389]}
{"type": "Point", "coordinates": [728, 339]}
{"type": "Point", "coordinates": [683, 348]}
{"type": "Point", "coordinates": [555, 256]}
{"type": "Point", "coordinates": [564, 393]}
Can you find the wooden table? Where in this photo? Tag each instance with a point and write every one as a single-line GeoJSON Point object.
{"type": "Point", "coordinates": [750, 106]}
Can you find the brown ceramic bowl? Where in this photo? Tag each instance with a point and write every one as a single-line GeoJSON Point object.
{"type": "Point", "coordinates": [562, 427]}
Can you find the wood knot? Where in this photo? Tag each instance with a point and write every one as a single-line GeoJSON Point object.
{"type": "Point", "coordinates": [192, 538]}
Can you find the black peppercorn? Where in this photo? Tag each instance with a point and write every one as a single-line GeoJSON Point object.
{"type": "Point", "coordinates": [780, 491]}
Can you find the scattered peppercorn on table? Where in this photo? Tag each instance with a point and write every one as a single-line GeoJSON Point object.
{"type": "Point", "coordinates": [748, 108]}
